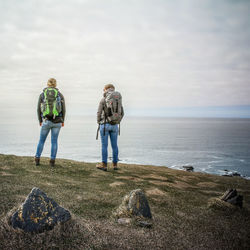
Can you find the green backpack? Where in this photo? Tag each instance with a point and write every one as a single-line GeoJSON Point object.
{"type": "Point", "coordinates": [51, 104]}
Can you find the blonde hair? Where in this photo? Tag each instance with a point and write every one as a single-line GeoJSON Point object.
{"type": "Point", "coordinates": [51, 82]}
{"type": "Point", "coordinates": [108, 86]}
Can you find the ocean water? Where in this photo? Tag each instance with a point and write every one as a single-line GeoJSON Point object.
{"type": "Point", "coordinates": [209, 145]}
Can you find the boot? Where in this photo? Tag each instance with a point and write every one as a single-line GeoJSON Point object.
{"type": "Point", "coordinates": [52, 162]}
{"type": "Point", "coordinates": [115, 166]}
{"type": "Point", "coordinates": [37, 161]}
{"type": "Point", "coordinates": [102, 166]}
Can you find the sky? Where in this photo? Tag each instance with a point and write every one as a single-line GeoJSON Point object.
{"type": "Point", "coordinates": [167, 58]}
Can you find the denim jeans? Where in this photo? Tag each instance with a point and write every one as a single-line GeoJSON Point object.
{"type": "Point", "coordinates": [112, 132]}
{"type": "Point", "coordinates": [55, 129]}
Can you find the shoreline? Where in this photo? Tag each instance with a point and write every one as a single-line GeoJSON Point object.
{"type": "Point", "coordinates": [179, 168]}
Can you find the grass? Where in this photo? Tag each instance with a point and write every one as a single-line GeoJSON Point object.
{"type": "Point", "coordinates": [179, 201]}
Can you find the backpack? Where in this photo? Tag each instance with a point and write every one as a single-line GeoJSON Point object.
{"type": "Point", "coordinates": [51, 105]}
{"type": "Point", "coordinates": [113, 102]}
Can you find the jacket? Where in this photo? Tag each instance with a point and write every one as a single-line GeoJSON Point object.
{"type": "Point", "coordinates": [58, 119]}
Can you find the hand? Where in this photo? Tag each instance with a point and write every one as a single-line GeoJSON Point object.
{"type": "Point", "coordinates": [63, 124]}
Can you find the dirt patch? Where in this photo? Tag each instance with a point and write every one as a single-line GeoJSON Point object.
{"type": "Point", "coordinates": [189, 178]}
{"type": "Point", "coordinates": [154, 176]}
{"type": "Point", "coordinates": [78, 197]}
{"type": "Point", "coordinates": [207, 184]}
{"type": "Point", "coordinates": [35, 171]}
{"type": "Point", "coordinates": [95, 174]}
{"type": "Point", "coordinates": [155, 191]}
{"type": "Point", "coordinates": [5, 174]}
{"type": "Point", "coordinates": [21, 197]}
{"type": "Point", "coordinates": [5, 167]}
{"type": "Point", "coordinates": [212, 192]}
{"type": "Point", "coordinates": [159, 183]}
{"type": "Point", "coordinates": [181, 185]}
{"type": "Point", "coordinates": [49, 184]}
{"type": "Point", "coordinates": [131, 178]}
{"type": "Point", "coordinates": [73, 182]}
{"type": "Point", "coordinates": [116, 183]}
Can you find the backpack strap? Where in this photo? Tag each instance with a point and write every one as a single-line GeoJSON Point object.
{"type": "Point", "coordinates": [97, 132]}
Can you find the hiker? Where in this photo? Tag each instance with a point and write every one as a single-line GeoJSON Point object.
{"type": "Point", "coordinates": [51, 113]}
{"type": "Point", "coordinates": [109, 115]}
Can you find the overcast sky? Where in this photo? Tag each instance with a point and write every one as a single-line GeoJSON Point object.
{"type": "Point", "coordinates": [160, 54]}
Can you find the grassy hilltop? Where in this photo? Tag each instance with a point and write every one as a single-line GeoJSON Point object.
{"type": "Point", "coordinates": [178, 200]}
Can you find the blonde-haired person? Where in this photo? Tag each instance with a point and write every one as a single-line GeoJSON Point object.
{"type": "Point", "coordinates": [108, 122]}
{"type": "Point", "coordinates": [51, 111]}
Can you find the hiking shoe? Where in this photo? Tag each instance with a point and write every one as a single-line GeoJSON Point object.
{"type": "Point", "coordinates": [37, 161]}
{"type": "Point", "coordinates": [102, 166]}
{"type": "Point", "coordinates": [52, 162]}
{"type": "Point", "coordinates": [115, 166]}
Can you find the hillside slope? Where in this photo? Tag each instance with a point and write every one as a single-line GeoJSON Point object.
{"type": "Point", "coordinates": [178, 200]}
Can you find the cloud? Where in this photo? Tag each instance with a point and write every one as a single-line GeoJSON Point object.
{"type": "Point", "coordinates": [158, 53]}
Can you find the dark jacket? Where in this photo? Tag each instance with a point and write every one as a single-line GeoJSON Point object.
{"type": "Point", "coordinates": [57, 119]}
{"type": "Point", "coordinates": [102, 110]}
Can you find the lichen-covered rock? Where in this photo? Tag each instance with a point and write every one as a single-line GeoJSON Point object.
{"type": "Point", "coordinates": [38, 213]}
{"type": "Point", "coordinates": [134, 204]}
{"type": "Point", "coordinates": [138, 204]}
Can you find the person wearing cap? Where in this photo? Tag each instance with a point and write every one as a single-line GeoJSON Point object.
{"type": "Point", "coordinates": [51, 111]}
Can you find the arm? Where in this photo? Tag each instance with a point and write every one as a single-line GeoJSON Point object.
{"type": "Point", "coordinates": [63, 106]}
{"type": "Point", "coordinates": [39, 113]}
{"type": "Point", "coordinates": [99, 111]}
{"type": "Point", "coordinates": [122, 112]}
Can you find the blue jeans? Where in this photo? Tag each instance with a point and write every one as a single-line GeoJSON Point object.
{"type": "Point", "coordinates": [112, 132]}
{"type": "Point", "coordinates": [55, 129]}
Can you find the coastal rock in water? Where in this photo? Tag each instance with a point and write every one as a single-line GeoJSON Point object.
{"type": "Point", "coordinates": [134, 204]}
{"type": "Point", "coordinates": [232, 197]}
{"type": "Point", "coordinates": [236, 174]}
{"type": "Point", "coordinates": [231, 174]}
{"type": "Point", "coordinates": [38, 213]}
{"type": "Point", "coordinates": [189, 168]}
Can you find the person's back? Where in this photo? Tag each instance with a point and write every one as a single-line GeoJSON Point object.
{"type": "Point", "coordinates": [51, 113]}
{"type": "Point", "coordinates": [109, 115]}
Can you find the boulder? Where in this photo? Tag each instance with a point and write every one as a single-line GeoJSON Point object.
{"type": "Point", "coordinates": [232, 197]}
{"type": "Point", "coordinates": [138, 204]}
{"type": "Point", "coordinates": [39, 213]}
{"type": "Point", "coordinates": [188, 168]}
{"type": "Point", "coordinates": [135, 204]}
{"type": "Point", "coordinates": [124, 221]}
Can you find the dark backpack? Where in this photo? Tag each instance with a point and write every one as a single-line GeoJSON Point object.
{"type": "Point", "coordinates": [51, 104]}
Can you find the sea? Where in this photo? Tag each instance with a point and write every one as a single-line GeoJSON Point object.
{"type": "Point", "coordinates": [210, 145]}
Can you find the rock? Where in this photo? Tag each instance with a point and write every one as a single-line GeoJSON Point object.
{"type": "Point", "coordinates": [236, 174]}
{"type": "Point", "coordinates": [188, 168]}
{"type": "Point", "coordinates": [133, 205]}
{"type": "Point", "coordinates": [144, 224]}
{"type": "Point", "coordinates": [233, 198]}
{"type": "Point", "coordinates": [38, 213]}
{"type": "Point", "coordinates": [218, 204]}
{"type": "Point", "coordinates": [230, 174]}
{"type": "Point", "coordinates": [236, 200]}
{"type": "Point", "coordinates": [124, 221]}
{"type": "Point", "coordinates": [230, 193]}
{"type": "Point", "coordinates": [138, 204]}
